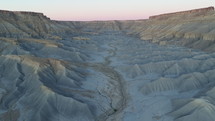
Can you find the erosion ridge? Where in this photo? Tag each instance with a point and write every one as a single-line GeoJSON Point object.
{"type": "Point", "coordinates": [201, 11]}
{"type": "Point", "coordinates": [6, 12]}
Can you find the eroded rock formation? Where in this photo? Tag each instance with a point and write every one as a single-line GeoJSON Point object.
{"type": "Point", "coordinates": [193, 29]}
{"type": "Point", "coordinates": [201, 11]}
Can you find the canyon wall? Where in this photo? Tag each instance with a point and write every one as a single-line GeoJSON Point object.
{"type": "Point", "coordinates": [28, 24]}
{"type": "Point", "coordinates": [200, 11]}
{"type": "Point", "coordinates": [194, 28]}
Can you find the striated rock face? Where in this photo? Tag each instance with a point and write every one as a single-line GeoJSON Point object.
{"type": "Point", "coordinates": [28, 24]}
{"type": "Point", "coordinates": [193, 29]}
{"type": "Point", "coordinates": [201, 11]}
{"type": "Point", "coordinates": [7, 13]}
{"type": "Point", "coordinates": [36, 25]}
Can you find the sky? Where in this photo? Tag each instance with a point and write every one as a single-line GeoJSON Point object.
{"type": "Point", "coordinates": [88, 10]}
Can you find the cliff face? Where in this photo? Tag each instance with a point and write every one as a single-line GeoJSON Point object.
{"type": "Point", "coordinates": [99, 26]}
{"type": "Point", "coordinates": [37, 25]}
{"type": "Point", "coordinates": [27, 24]}
{"type": "Point", "coordinates": [194, 29]}
{"type": "Point", "coordinates": [201, 11]}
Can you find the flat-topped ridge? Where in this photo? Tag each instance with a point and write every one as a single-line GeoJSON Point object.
{"type": "Point", "coordinates": [201, 10]}
{"type": "Point", "coordinates": [3, 12]}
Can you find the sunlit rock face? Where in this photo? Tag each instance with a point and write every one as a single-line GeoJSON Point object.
{"type": "Point", "coordinates": [143, 70]}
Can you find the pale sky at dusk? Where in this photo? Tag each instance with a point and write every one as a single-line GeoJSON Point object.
{"type": "Point", "coordinates": [85, 10]}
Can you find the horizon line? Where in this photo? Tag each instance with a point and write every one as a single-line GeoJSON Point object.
{"type": "Point", "coordinates": [138, 19]}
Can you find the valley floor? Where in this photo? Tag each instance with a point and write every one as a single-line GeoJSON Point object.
{"type": "Point", "coordinates": [109, 76]}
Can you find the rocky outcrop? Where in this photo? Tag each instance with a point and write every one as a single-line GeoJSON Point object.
{"type": "Point", "coordinates": [190, 29]}
{"type": "Point", "coordinates": [201, 11]}
{"type": "Point", "coordinates": [28, 24]}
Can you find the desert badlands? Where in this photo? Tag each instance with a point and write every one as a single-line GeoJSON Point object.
{"type": "Point", "coordinates": [156, 69]}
